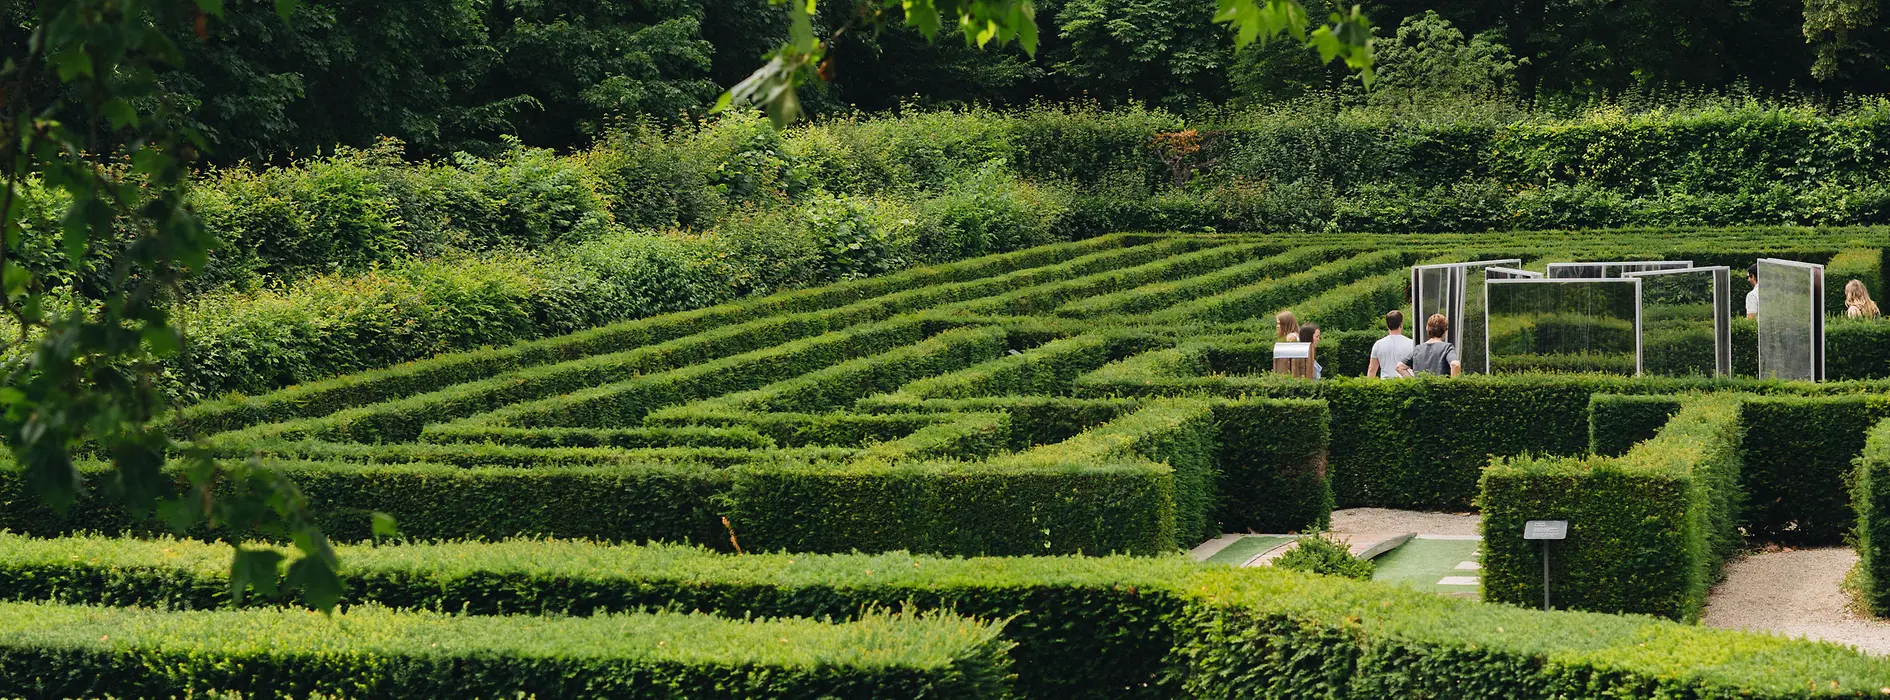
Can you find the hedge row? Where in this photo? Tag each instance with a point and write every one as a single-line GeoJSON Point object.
{"type": "Point", "coordinates": [1870, 497]}
{"type": "Point", "coordinates": [395, 418]}
{"type": "Point", "coordinates": [1049, 297]}
{"type": "Point", "coordinates": [1616, 423]}
{"type": "Point", "coordinates": [1648, 530]}
{"type": "Point", "coordinates": [1268, 296]}
{"type": "Point", "coordinates": [75, 651]}
{"type": "Point", "coordinates": [331, 395]}
{"type": "Point", "coordinates": [678, 368]}
{"type": "Point", "coordinates": [1423, 443]}
{"type": "Point", "coordinates": [733, 436]}
{"type": "Point", "coordinates": [1181, 433]}
{"type": "Point", "coordinates": [1083, 626]}
{"type": "Point", "coordinates": [1047, 369]}
{"type": "Point", "coordinates": [835, 386]}
{"type": "Point", "coordinates": [796, 429]}
{"type": "Point", "coordinates": [774, 503]}
{"type": "Point", "coordinates": [1158, 295]}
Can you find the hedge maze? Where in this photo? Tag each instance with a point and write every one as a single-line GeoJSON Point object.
{"type": "Point", "coordinates": [1067, 416]}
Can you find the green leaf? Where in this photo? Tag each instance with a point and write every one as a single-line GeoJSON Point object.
{"type": "Point", "coordinates": [14, 279]}
{"type": "Point", "coordinates": [164, 341]}
{"type": "Point", "coordinates": [214, 7]}
{"type": "Point", "coordinates": [384, 525]}
{"type": "Point", "coordinates": [317, 581]}
{"type": "Point", "coordinates": [119, 113]}
{"type": "Point", "coordinates": [286, 8]}
{"type": "Point", "coordinates": [254, 568]}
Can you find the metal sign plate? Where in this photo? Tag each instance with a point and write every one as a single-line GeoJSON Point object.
{"type": "Point", "coordinates": [1545, 530]}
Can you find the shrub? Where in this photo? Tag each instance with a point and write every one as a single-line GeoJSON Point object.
{"type": "Point", "coordinates": [1320, 554]}
{"type": "Point", "coordinates": [988, 210]}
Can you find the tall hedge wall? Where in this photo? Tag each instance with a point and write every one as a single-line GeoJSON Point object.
{"type": "Point", "coordinates": [1648, 530]}
{"type": "Point", "coordinates": [1870, 497]}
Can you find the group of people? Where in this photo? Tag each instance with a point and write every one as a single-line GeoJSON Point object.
{"type": "Point", "coordinates": [1394, 355]}
{"type": "Point", "coordinates": [1857, 303]}
{"type": "Point", "coordinates": [1397, 355]}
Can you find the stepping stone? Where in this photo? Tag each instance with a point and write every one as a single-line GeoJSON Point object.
{"type": "Point", "coordinates": [1468, 566]}
{"type": "Point", "coordinates": [1458, 581]}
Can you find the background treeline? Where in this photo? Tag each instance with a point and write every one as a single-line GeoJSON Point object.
{"type": "Point", "coordinates": [456, 75]}
{"type": "Point", "coordinates": [365, 258]}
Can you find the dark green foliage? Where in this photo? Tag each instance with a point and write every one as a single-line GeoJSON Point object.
{"type": "Point", "coordinates": [1617, 423]}
{"type": "Point", "coordinates": [1798, 453]}
{"type": "Point", "coordinates": [71, 651]}
{"type": "Point", "coordinates": [1320, 554]}
{"type": "Point", "coordinates": [1272, 465]}
{"type": "Point", "coordinates": [1870, 497]}
{"type": "Point", "coordinates": [1648, 530]}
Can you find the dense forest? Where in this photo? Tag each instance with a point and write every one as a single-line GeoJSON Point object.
{"type": "Point", "coordinates": [458, 75]}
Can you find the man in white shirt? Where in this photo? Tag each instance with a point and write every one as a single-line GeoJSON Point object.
{"type": "Point", "coordinates": [1752, 297]}
{"type": "Point", "coordinates": [1391, 349]}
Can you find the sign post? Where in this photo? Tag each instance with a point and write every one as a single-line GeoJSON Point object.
{"type": "Point", "coordinates": [1545, 530]}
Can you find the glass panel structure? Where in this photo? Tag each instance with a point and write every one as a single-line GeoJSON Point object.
{"type": "Point", "coordinates": [1456, 291]}
{"type": "Point", "coordinates": [1509, 273]}
{"type": "Point", "coordinates": [1568, 325]}
{"type": "Point", "coordinates": [1611, 270]}
{"type": "Point", "coordinates": [1686, 321]}
{"type": "Point", "coordinates": [1791, 320]}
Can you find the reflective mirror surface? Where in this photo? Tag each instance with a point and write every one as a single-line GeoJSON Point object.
{"type": "Point", "coordinates": [1686, 321]}
{"type": "Point", "coordinates": [1565, 325]}
{"type": "Point", "coordinates": [1791, 320]}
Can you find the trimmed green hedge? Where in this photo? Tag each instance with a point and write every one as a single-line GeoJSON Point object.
{"type": "Point", "coordinates": [72, 651]}
{"type": "Point", "coordinates": [1268, 296]}
{"type": "Point", "coordinates": [1158, 295]}
{"type": "Point", "coordinates": [1616, 423]}
{"type": "Point", "coordinates": [1870, 497]}
{"type": "Point", "coordinates": [734, 436]}
{"type": "Point", "coordinates": [1084, 626]}
{"type": "Point", "coordinates": [1798, 453]}
{"type": "Point", "coordinates": [1272, 466]}
{"type": "Point", "coordinates": [332, 395]}
{"type": "Point", "coordinates": [1648, 530]}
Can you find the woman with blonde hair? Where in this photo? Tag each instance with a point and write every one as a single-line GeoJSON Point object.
{"type": "Point", "coordinates": [1287, 327]}
{"type": "Point", "coordinates": [1857, 303]}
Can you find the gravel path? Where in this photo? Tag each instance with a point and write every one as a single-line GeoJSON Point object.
{"type": "Point", "coordinates": [1795, 593]}
{"type": "Point", "coordinates": [1383, 520]}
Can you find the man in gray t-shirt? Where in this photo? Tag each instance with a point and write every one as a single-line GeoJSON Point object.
{"type": "Point", "coordinates": [1434, 356]}
{"type": "Point", "coordinates": [1391, 349]}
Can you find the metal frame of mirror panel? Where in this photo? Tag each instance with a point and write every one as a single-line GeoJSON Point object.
{"type": "Point", "coordinates": [1454, 291]}
{"type": "Point", "coordinates": [1616, 267]}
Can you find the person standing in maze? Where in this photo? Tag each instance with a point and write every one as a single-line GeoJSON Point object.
{"type": "Point", "coordinates": [1391, 349]}
{"type": "Point", "coordinates": [1309, 334]}
{"type": "Point", "coordinates": [1752, 297]}
{"type": "Point", "coordinates": [1434, 356]}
